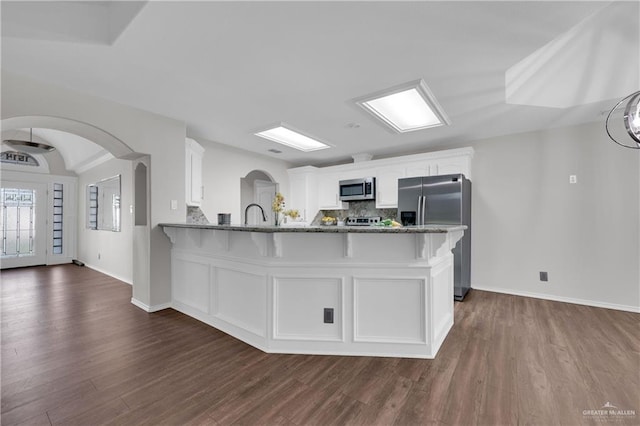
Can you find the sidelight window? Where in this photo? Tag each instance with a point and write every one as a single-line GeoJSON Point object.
{"type": "Point", "coordinates": [57, 217]}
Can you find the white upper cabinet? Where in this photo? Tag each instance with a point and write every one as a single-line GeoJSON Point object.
{"type": "Point", "coordinates": [387, 186]}
{"type": "Point", "coordinates": [451, 165]}
{"type": "Point", "coordinates": [418, 168]}
{"type": "Point", "coordinates": [194, 190]}
{"type": "Point", "coordinates": [323, 192]}
{"type": "Point", "coordinates": [303, 188]}
{"type": "Point", "coordinates": [329, 191]}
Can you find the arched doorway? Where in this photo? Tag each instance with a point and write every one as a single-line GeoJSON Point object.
{"type": "Point", "coordinates": [112, 144]}
{"type": "Point", "coordinates": [118, 149]}
{"type": "Point", "coordinates": [260, 188]}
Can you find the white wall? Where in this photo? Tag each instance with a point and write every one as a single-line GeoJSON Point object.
{"type": "Point", "coordinates": [144, 132]}
{"type": "Point", "coordinates": [223, 167]}
{"type": "Point", "coordinates": [115, 248]}
{"type": "Point", "coordinates": [527, 218]}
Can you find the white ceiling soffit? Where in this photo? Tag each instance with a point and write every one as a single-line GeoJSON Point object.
{"type": "Point", "coordinates": [79, 154]}
{"type": "Point", "coordinates": [93, 22]}
{"type": "Point", "coordinates": [606, 44]}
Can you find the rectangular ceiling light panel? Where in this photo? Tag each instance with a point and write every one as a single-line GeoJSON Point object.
{"type": "Point", "coordinates": [293, 139]}
{"type": "Point", "coordinates": [406, 108]}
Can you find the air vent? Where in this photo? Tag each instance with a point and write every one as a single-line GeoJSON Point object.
{"type": "Point", "coordinates": [275, 151]}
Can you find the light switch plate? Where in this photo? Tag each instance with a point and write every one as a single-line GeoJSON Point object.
{"type": "Point", "coordinates": [174, 204]}
{"type": "Point", "coordinates": [573, 179]}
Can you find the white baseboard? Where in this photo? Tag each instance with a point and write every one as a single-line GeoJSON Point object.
{"type": "Point", "coordinates": [103, 271]}
{"type": "Point", "coordinates": [148, 308]}
{"type": "Point", "coordinates": [626, 308]}
{"type": "Point", "coordinates": [59, 260]}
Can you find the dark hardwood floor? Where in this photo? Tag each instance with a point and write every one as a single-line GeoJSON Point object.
{"type": "Point", "coordinates": [76, 351]}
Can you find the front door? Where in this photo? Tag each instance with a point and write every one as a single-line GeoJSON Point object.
{"type": "Point", "coordinates": [23, 224]}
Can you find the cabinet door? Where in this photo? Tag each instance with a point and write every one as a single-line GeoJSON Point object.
{"type": "Point", "coordinates": [299, 196]}
{"type": "Point", "coordinates": [196, 179]}
{"type": "Point", "coordinates": [418, 169]}
{"type": "Point", "coordinates": [453, 165]}
{"type": "Point", "coordinates": [387, 186]}
{"type": "Point", "coordinates": [193, 173]}
{"type": "Point", "coordinates": [328, 192]}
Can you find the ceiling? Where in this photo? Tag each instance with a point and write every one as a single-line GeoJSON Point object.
{"type": "Point", "coordinates": [229, 69]}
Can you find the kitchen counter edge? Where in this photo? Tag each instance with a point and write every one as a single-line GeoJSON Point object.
{"type": "Point", "coordinates": [420, 229]}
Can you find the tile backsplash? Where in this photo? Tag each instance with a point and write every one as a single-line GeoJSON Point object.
{"type": "Point", "coordinates": [357, 209]}
{"type": "Point", "coordinates": [196, 216]}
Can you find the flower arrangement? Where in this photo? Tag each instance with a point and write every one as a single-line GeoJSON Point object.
{"type": "Point", "coordinates": [278, 203]}
{"type": "Point", "coordinates": [277, 206]}
{"type": "Point", "coordinates": [293, 214]}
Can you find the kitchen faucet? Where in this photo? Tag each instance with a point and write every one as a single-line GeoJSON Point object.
{"type": "Point", "coordinates": [264, 217]}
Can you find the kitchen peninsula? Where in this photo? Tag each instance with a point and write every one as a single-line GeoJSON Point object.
{"type": "Point", "coordinates": [334, 290]}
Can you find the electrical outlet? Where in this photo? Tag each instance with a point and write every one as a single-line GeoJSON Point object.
{"type": "Point", "coordinates": [328, 315]}
{"type": "Point", "coordinates": [544, 276]}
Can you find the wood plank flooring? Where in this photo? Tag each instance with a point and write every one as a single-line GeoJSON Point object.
{"type": "Point", "coordinates": [75, 351]}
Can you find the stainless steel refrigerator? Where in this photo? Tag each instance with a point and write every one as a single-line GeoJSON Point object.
{"type": "Point", "coordinates": [444, 199]}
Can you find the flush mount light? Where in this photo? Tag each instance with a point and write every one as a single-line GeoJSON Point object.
{"type": "Point", "coordinates": [292, 138]}
{"type": "Point", "coordinates": [405, 108]}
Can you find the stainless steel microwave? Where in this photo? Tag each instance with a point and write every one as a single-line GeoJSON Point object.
{"type": "Point", "coordinates": [358, 189]}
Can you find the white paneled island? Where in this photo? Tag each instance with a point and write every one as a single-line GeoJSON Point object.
{"type": "Point", "coordinates": [319, 290]}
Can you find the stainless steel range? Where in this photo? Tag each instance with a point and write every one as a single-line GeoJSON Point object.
{"type": "Point", "coordinates": [362, 221]}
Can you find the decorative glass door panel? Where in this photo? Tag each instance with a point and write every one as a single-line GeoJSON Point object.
{"type": "Point", "coordinates": [22, 225]}
{"type": "Point", "coordinates": [18, 221]}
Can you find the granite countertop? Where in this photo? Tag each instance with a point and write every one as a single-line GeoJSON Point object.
{"type": "Point", "coordinates": [421, 229]}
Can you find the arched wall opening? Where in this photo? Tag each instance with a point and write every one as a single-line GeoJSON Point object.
{"type": "Point", "coordinates": [259, 187]}
{"type": "Point", "coordinates": [115, 146]}
{"type": "Point", "coordinates": [140, 206]}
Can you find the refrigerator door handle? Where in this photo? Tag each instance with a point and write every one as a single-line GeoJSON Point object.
{"type": "Point", "coordinates": [424, 209]}
{"type": "Point", "coordinates": [419, 212]}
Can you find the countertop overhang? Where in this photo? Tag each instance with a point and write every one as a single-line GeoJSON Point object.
{"type": "Point", "coordinates": [332, 229]}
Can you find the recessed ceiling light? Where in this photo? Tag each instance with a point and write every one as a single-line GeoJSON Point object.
{"type": "Point", "coordinates": [292, 138]}
{"type": "Point", "coordinates": [406, 108]}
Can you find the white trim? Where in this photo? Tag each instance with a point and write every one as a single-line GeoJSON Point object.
{"type": "Point", "coordinates": [275, 304]}
{"type": "Point", "coordinates": [596, 304]}
{"type": "Point", "coordinates": [111, 274]}
{"type": "Point", "coordinates": [423, 91]}
{"type": "Point", "coordinates": [62, 260]}
{"type": "Point", "coordinates": [148, 308]}
{"type": "Point", "coordinates": [140, 305]}
{"type": "Point", "coordinates": [424, 293]}
{"type": "Point", "coordinates": [92, 162]}
{"type": "Point", "coordinates": [382, 162]}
